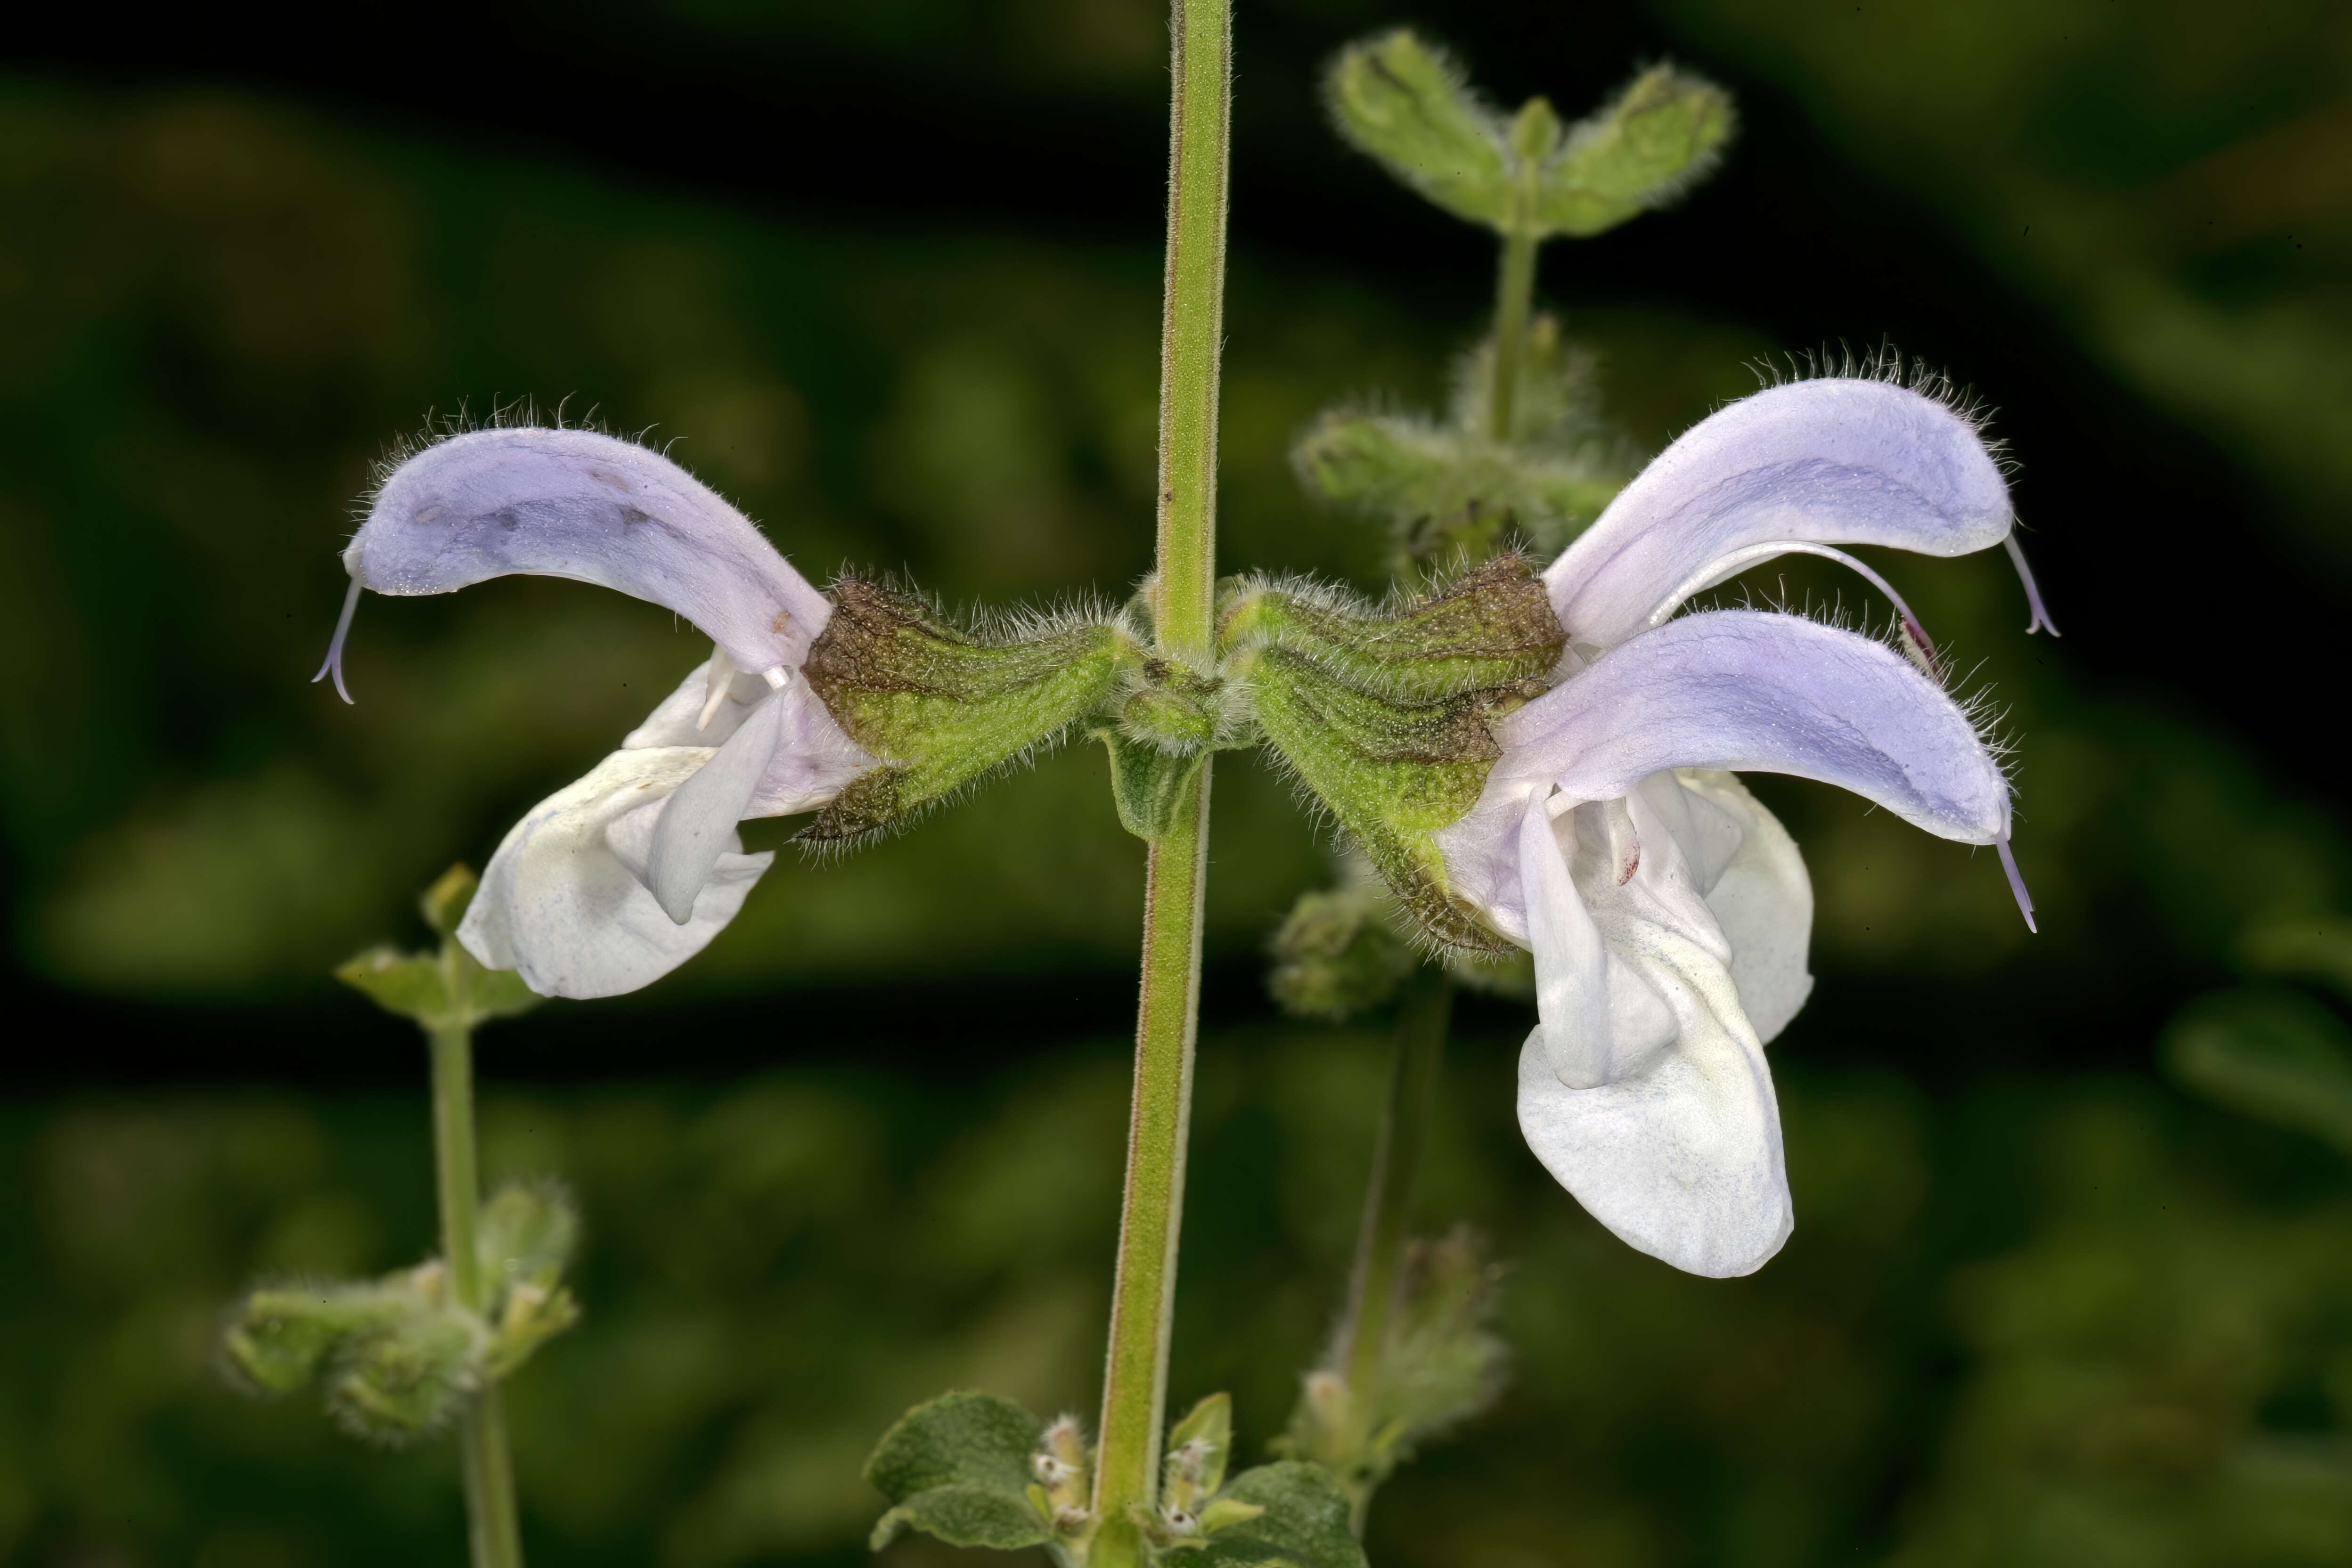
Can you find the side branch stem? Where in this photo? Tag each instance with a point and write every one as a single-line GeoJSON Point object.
{"type": "Point", "coordinates": [493, 1527]}
{"type": "Point", "coordinates": [1135, 1379]}
{"type": "Point", "coordinates": [1515, 293]}
{"type": "Point", "coordinates": [1375, 1283]}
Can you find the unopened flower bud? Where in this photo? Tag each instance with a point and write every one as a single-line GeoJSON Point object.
{"type": "Point", "coordinates": [408, 1378]}
{"type": "Point", "coordinates": [1336, 955]}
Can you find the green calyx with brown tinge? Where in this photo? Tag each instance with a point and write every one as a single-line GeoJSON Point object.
{"type": "Point", "coordinates": [1391, 774]}
{"type": "Point", "coordinates": [942, 706]}
{"type": "Point", "coordinates": [1530, 174]}
{"type": "Point", "coordinates": [1490, 629]}
{"type": "Point", "coordinates": [1381, 714]}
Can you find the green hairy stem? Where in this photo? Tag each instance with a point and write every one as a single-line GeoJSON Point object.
{"type": "Point", "coordinates": [1515, 291]}
{"type": "Point", "coordinates": [492, 1525]}
{"type": "Point", "coordinates": [1136, 1372]}
{"type": "Point", "coordinates": [1375, 1283]}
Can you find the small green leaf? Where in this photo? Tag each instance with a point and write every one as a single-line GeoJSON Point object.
{"type": "Point", "coordinates": [525, 1234]}
{"type": "Point", "coordinates": [940, 706]}
{"type": "Point", "coordinates": [1305, 1522]}
{"type": "Point", "coordinates": [499, 993]}
{"type": "Point", "coordinates": [964, 1516]}
{"type": "Point", "coordinates": [1226, 1512]}
{"type": "Point", "coordinates": [1659, 136]}
{"type": "Point", "coordinates": [445, 903]}
{"type": "Point", "coordinates": [1148, 785]}
{"type": "Point", "coordinates": [2274, 1054]}
{"type": "Point", "coordinates": [278, 1337]}
{"type": "Point", "coordinates": [1409, 105]}
{"type": "Point", "coordinates": [1198, 1447]}
{"type": "Point", "coordinates": [959, 1467]}
{"type": "Point", "coordinates": [408, 983]}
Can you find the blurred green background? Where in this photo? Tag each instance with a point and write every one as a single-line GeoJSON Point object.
{"type": "Point", "coordinates": [888, 276]}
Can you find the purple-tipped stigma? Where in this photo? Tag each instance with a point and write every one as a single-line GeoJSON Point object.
{"type": "Point", "coordinates": [2017, 883]}
{"type": "Point", "coordinates": [334, 661]}
{"type": "Point", "coordinates": [2038, 613]}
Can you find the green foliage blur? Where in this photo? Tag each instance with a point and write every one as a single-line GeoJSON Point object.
{"type": "Point", "coordinates": [2056, 1311]}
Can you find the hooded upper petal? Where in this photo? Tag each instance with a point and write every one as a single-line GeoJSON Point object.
{"type": "Point", "coordinates": [574, 504]}
{"type": "Point", "coordinates": [1835, 461]}
{"type": "Point", "coordinates": [565, 901]}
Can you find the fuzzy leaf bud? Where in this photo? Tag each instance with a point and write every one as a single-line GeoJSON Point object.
{"type": "Point", "coordinates": [1336, 955]}
{"type": "Point", "coordinates": [1656, 138]}
{"type": "Point", "coordinates": [1408, 105]}
{"type": "Point", "coordinates": [406, 1379]}
{"type": "Point", "coordinates": [278, 1337]}
{"type": "Point", "coordinates": [943, 706]}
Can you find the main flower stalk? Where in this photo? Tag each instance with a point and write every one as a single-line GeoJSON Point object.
{"type": "Point", "coordinates": [1192, 327]}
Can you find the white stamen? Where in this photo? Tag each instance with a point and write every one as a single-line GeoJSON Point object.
{"type": "Point", "coordinates": [777, 676]}
{"type": "Point", "coordinates": [1921, 651]}
{"type": "Point", "coordinates": [334, 660]}
{"type": "Point", "coordinates": [2038, 616]}
{"type": "Point", "coordinates": [717, 678]}
{"type": "Point", "coordinates": [2017, 883]}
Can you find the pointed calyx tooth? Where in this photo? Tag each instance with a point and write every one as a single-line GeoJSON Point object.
{"type": "Point", "coordinates": [943, 706]}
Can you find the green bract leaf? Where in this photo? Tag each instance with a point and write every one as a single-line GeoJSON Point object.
{"type": "Point", "coordinates": [278, 1337]}
{"type": "Point", "coordinates": [1197, 1449]}
{"type": "Point", "coordinates": [959, 1469]}
{"type": "Point", "coordinates": [2277, 1054]}
{"type": "Point", "coordinates": [525, 1235]}
{"type": "Point", "coordinates": [1305, 1522]}
{"type": "Point", "coordinates": [444, 904]}
{"type": "Point", "coordinates": [1409, 105]}
{"type": "Point", "coordinates": [1148, 785]}
{"type": "Point", "coordinates": [1658, 138]}
{"type": "Point", "coordinates": [941, 706]}
{"type": "Point", "coordinates": [408, 983]}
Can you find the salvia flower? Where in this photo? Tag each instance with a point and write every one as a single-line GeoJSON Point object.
{"type": "Point", "coordinates": [1668, 911]}
{"type": "Point", "coordinates": [614, 880]}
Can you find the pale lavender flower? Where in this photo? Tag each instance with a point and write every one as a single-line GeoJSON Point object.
{"type": "Point", "coordinates": [1668, 912]}
{"type": "Point", "coordinates": [618, 878]}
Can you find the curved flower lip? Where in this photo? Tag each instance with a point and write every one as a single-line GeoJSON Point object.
{"type": "Point", "coordinates": [578, 504]}
{"type": "Point", "coordinates": [1741, 691]}
{"type": "Point", "coordinates": [1814, 463]}
{"type": "Point", "coordinates": [1758, 692]}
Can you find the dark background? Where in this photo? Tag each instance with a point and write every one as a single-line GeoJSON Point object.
{"type": "Point", "coordinates": [891, 273]}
